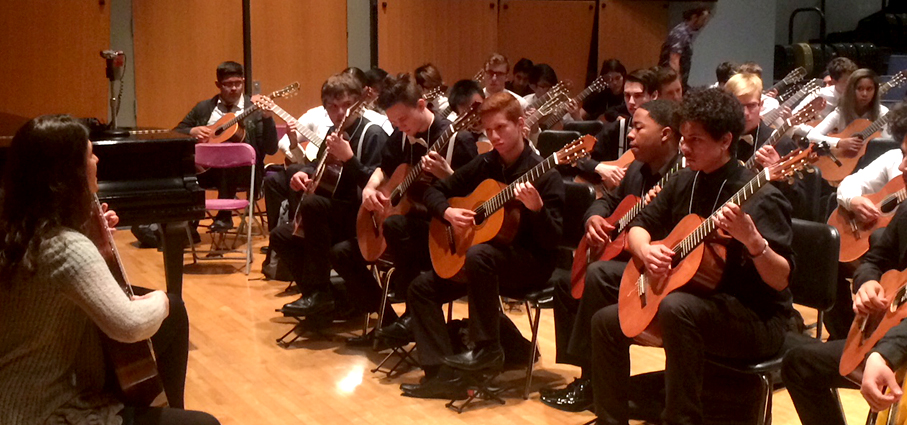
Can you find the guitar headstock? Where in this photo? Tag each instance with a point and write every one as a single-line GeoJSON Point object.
{"type": "Point", "coordinates": [575, 150]}
{"type": "Point", "coordinates": [286, 91]}
{"type": "Point", "coordinates": [469, 119]}
{"type": "Point", "coordinates": [368, 96]}
{"type": "Point", "coordinates": [479, 75]}
{"type": "Point", "coordinates": [898, 79]}
{"type": "Point", "coordinates": [432, 94]}
{"type": "Point", "coordinates": [809, 112]}
{"type": "Point", "coordinates": [796, 75]}
{"type": "Point", "coordinates": [793, 165]}
{"type": "Point", "coordinates": [599, 84]}
{"type": "Point", "coordinates": [265, 103]}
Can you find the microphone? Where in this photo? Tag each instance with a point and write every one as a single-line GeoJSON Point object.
{"type": "Point", "coordinates": [116, 64]}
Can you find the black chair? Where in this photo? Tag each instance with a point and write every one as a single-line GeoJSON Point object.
{"type": "Point", "coordinates": [592, 127]}
{"type": "Point", "coordinates": [550, 141]}
{"type": "Point", "coordinates": [875, 148]}
{"type": "Point", "coordinates": [813, 285]}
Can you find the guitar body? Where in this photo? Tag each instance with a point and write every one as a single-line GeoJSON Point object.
{"type": "Point", "coordinates": [623, 162]}
{"type": "Point", "coordinates": [448, 246]}
{"type": "Point", "coordinates": [136, 372]}
{"type": "Point", "coordinates": [233, 134]}
{"type": "Point", "coordinates": [832, 172]}
{"type": "Point", "coordinates": [640, 294]}
{"type": "Point", "coordinates": [855, 234]}
{"type": "Point", "coordinates": [370, 224]}
{"type": "Point", "coordinates": [866, 331]}
{"type": "Point", "coordinates": [586, 255]}
{"type": "Point", "coordinates": [324, 183]}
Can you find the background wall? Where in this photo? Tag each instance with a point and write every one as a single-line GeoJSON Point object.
{"type": "Point", "coordinates": [740, 30]}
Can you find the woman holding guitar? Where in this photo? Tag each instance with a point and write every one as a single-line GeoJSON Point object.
{"type": "Point", "coordinates": [59, 299]}
{"type": "Point", "coordinates": [746, 317]}
{"type": "Point", "coordinates": [860, 100]}
{"type": "Point", "coordinates": [810, 371]}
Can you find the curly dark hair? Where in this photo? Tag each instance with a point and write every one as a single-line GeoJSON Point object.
{"type": "Point", "coordinates": [718, 111]}
{"type": "Point", "coordinates": [400, 89]}
{"type": "Point", "coordinates": [664, 112]}
{"type": "Point", "coordinates": [897, 121]}
{"type": "Point", "coordinates": [37, 205]}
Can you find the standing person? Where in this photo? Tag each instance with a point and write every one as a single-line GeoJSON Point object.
{"type": "Point", "coordinates": [491, 268]}
{"type": "Point", "coordinates": [260, 130]}
{"type": "Point", "coordinates": [677, 50]}
{"type": "Point", "coordinates": [58, 297]}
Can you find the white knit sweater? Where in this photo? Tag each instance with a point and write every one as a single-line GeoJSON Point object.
{"type": "Point", "coordinates": [51, 358]}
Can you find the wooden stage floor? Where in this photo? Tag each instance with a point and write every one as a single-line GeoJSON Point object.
{"type": "Point", "coordinates": [239, 374]}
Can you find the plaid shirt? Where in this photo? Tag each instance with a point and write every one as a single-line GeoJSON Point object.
{"type": "Point", "coordinates": [680, 41]}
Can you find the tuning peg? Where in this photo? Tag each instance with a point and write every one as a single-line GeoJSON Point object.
{"type": "Point", "coordinates": [799, 174]}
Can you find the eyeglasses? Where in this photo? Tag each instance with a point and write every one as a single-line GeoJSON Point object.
{"type": "Point", "coordinates": [493, 74]}
{"type": "Point", "coordinates": [232, 84]}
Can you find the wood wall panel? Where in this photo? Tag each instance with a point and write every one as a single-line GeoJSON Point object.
{"type": "Point", "coordinates": [296, 40]}
{"type": "Point", "coordinates": [50, 57]}
{"type": "Point", "coordinates": [526, 29]}
{"type": "Point", "coordinates": [455, 35]}
{"type": "Point", "coordinates": [632, 31]}
{"type": "Point", "coordinates": [178, 45]}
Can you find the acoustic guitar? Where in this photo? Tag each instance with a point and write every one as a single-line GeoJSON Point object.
{"type": "Point", "coordinates": [854, 233]}
{"type": "Point", "coordinates": [861, 128]}
{"type": "Point", "coordinates": [309, 136]}
{"type": "Point", "coordinates": [546, 103]}
{"type": "Point", "coordinates": [557, 113]}
{"type": "Point", "coordinates": [769, 117]}
{"type": "Point", "coordinates": [497, 216]}
{"type": "Point", "coordinates": [802, 116]}
{"type": "Point", "coordinates": [697, 265]}
{"type": "Point", "coordinates": [228, 128]}
{"type": "Point", "coordinates": [624, 214]}
{"type": "Point", "coordinates": [133, 364]}
{"type": "Point", "coordinates": [867, 330]}
{"type": "Point", "coordinates": [896, 80]}
{"type": "Point", "coordinates": [370, 224]}
{"type": "Point", "coordinates": [791, 78]}
{"type": "Point", "coordinates": [329, 169]}
{"type": "Point", "coordinates": [896, 414]}
{"type": "Point", "coordinates": [623, 162]}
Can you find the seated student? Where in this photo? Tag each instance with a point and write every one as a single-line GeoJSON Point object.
{"type": "Point", "coordinates": [669, 86]}
{"type": "Point", "coordinates": [746, 318]}
{"type": "Point", "coordinates": [639, 87]}
{"type": "Point", "coordinates": [374, 78]}
{"type": "Point", "coordinates": [496, 73]}
{"type": "Point", "coordinates": [261, 133]}
{"type": "Point", "coordinates": [810, 371]}
{"type": "Point", "coordinates": [428, 77]}
{"type": "Point", "coordinates": [463, 94]}
{"type": "Point", "coordinates": [723, 72]}
{"type": "Point", "coordinates": [839, 70]}
{"type": "Point", "coordinates": [860, 100]}
{"type": "Point", "coordinates": [520, 82]}
{"type": "Point", "coordinates": [748, 90]}
{"type": "Point", "coordinates": [768, 102]}
{"type": "Point", "coordinates": [406, 235]}
{"type": "Point", "coordinates": [541, 80]}
{"type": "Point", "coordinates": [59, 298]}
{"type": "Point", "coordinates": [371, 113]}
{"type": "Point", "coordinates": [492, 269]}
{"type": "Point", "coordinates": [654, 140]}
{"type": "Point", "coordinates": [608, 104]}
{"type": "Point", "coordinates": [328, 221]}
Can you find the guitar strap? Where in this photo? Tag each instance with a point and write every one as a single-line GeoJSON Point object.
{"type": "Point", "coordinates": [361, 139]}
{"type": "Point", "coordinates": [622, 136]}
{"type": "Point", "coordinates": [450, 148]}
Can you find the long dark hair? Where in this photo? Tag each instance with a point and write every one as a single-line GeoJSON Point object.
{"type": "Point", "coordinates": [848, 103]}
{"type": "Point", "coordinates": [44, 189]}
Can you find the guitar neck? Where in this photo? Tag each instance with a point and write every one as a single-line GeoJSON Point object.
{"type": "Point", "coordinates": [439, 145]}
{"type": "Point", "coordinates": [874, 127]}
{"type": "Point", "coordinates": [239, 117]}
{"type": "Point", "coordinates": [561, 109]}
{"type": "Point", "coordinates": [901, 195]}
{"type": "Point", "coordinates": [771, 141]}
{"type": "Point", "coordinates": [498, 201]}
{"type": "Point", "coordinates": [689, 243]}
{"type": "Point", "coordinates": [631, 215]}
{"type": "Point", "coordinates": [286, 117]}
{"type": "Point", "coordinates": [774, 114]}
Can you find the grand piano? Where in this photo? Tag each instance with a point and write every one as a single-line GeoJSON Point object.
{"type": "Point", "coordinates": [148, 177]}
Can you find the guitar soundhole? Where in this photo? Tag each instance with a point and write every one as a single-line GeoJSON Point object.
{"type": "Point", "coordinates": [899, 299]}
{"type": "Point", "coordinates": [396, 197]}
{"type": "Point", "coordinates": [479, 218]}
{"type": "Point", "coordinates": [889, 205]}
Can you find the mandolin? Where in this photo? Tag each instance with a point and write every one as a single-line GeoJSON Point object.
{"type": "Point", "coordinates": [496, 216]}
{"type": "Point", "coordinates": [328, 169]}
{"type": "Point", "coordinates": [698, 261]}
{"type": "Point", "coordinates": [370, 224]}
{"type": "Point", "coordinates": [867, 330]}
{"type": "Point", "coordinates": [133, 363]}
{"type": "Point", "coordinates": [624, 214]}
{"type": "Point", "coordinates": [228, 128]}
{"type": "Point", "coordinates": [854, 233]}
{"type": "Point", "coordinates": [862, 128]}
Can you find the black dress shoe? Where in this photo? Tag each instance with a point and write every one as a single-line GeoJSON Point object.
{"type": "Point", "coordinates": [362, 340]}
{"type": "Point", "coordinates": [222, 224]}
{"type": "Point", "coordinates": [437, 387]}
{"type": "Point", "coordinates": [399, 331]}
{"type": "Point", "coordinates": [576, 397]}
{"type": "Point", "coordinates": [316, 303]}
{"type": "Point", "coordinates": [485, 358]}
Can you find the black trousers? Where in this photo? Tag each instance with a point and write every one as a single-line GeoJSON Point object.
{"type": "Point", "coordinates": [276, 189]}
{"type": "Point", "coordinates": [839, 318]}
{"type": "Point", "coordinates": [363, 291]}
{"type": "Point", "coordinates": [326, 222]}
{"type": "Point", "coordinates": [171, 350]}
{"type": "Point", "coordinates": [491, 270]}
{"type": "Point", "coordinates": [811, 373]}
{"type": "Point", "coordinates": [692, 326]}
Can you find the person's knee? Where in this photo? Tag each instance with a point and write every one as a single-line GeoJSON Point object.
{"type": "Point", "coordinates": [394, 227]}
{"type": "Point", "coordinates": [480, 258]}
{"type": "Point", "coordinates": [797, 366]}
{"type": "Point", "coordinates": [605, 323]}
{"type": "Point", "coordinates": [201, 418]}
{"type": "Point", "coordinates": [602, 276]}
{"type": "Point", "coordinates": [674, 307]}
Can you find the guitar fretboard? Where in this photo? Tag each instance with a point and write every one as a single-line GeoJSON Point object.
{"type": "Point", "coordinates": [774, 114]}
{"type": "Point", "coordinates": [541, 101]}
{"type": "Point", "coordinates": [439, 145]}
{"type": "Point", "coordinates": [308, 134]}
{"type": "Point", "coordinates": [874, 127]}
{"type": "Point", "coordinates": [771, 141]}
{"type": "Point", "coordinates": [631, 215]}
{"type": "Point", "coordinates": [561, 109]}
{"type": "Point", "coordinates": [497, 201]}
{"type": "Point", "coordinates": [689, 243]}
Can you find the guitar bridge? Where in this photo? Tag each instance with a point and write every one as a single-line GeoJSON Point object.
{"type": "Point", "coordinates": [375, 225]}
{"type": "Point", "coordinates": [450, 239]}
{"type": "Point", "coordinates": [641, 289]}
